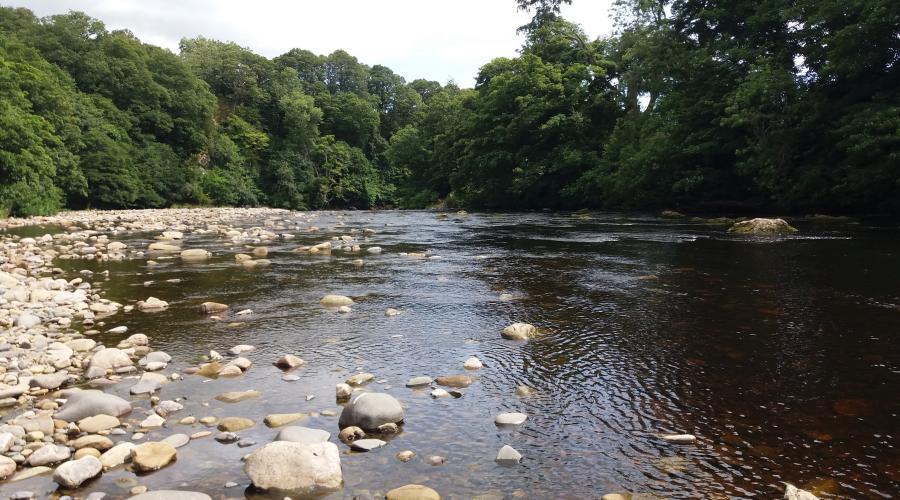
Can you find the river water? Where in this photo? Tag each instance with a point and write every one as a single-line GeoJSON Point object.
{"type": "Point", "coordinates": [782, 355]}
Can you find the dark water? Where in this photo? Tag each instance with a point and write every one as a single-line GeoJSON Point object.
{"type": "Point", "coordinates": [781, 355]}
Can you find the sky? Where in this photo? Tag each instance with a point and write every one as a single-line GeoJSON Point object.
{"type": "Point", "coordinates": [436, 40]}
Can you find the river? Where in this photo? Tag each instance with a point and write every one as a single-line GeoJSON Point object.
{"type": "Point", "coordinates": [782, 355]}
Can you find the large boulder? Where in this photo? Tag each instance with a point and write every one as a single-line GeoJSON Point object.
{"type": "Point", "coordinates": [88, 403]}
{"type": "Point", "coordinates": [371, 410]}
{"type": "Point", "coordinates": [762, 226]}
{"type": "Point", "coordinates": [300, 468]}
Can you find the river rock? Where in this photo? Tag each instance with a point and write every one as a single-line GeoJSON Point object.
{"type": "Point", "coordinates": [367, 444]}
{"type": "Point", "coordinates": [152, 456]}
{"type": "Point", "coordinates": [519, 331]}
{"type": "Point", "coordinates": [241, 349]}
{"type": "Point", "coordinates": [110, 358]}
{"type": "Point", "coordinates": [49, 454]}
{"type": "Point", "coordinates": [440, 393]}
{"type": "Point", "coordinates": [360, 378]}
{"type": "Point", "coordinates": [7, 467]}
{"type": "Point", "coordinates": [27, 320]}
{"type": "Point", "coordinates": [152, 421]}
{"type": "Point", "coordinates": [297, 434]}
{"type": "Point", "coordinates": [510, 419]}
{"type": "Point", "coordinates": [49, 381]}
{"type": "Point", "coordinates": [177, 440]}
{"type": "Point", "coordinates": [237, 396]}
{"type": "Point", "coordinates": [792, 492]}
{"type": "Point", "coordinates": [390, 312]}
{"type": "Point", "coordinates": [370, 410]}
{"type": "Point", "coordinates": [413, 492]}
{"type": "Point", "coordinates": [213, 308]}
{"type": "Point", "coordinates": [152, 304]}
{"type": "Point", "coordinates": [279, 419]}
{"type": "Point", "coordinates": [98, 423]}
{"type": "Point", "coordinates": [288, 361]}
{"type": "Point", "coordinates": [406, 455]}
{"type": "Point", "coordinates": [762, 226]}
{"type": "Point", "coordinates": [101, 443]}
{"type": "Point", "coordinates": [351, 434]}
{"type": "Point", "coordinates": [171, 495]}
{"type": "Point", "coordinates": [195, 255]}
{"type": "Point", "coordinates": [148, 383]}
{"type": "Point", "coordinates": [473, 363]}
{"type": "Point", "coordinates": [72, 474]}
{"type": "Point", "coordinates": [342, 391]}
{"type": "Point", "coordinates": [163, 247]}
{"type": "Point", "coordinates": [679, 438]}
{"type": "Point", "coordinates": [336, 301]}
{"type": "Point", "coordinates": [235, 424]}
{"type": "Point", "coordinates": [84, 452]}
{"type": "Point", "coordinates": [419, 381]}
{"type": "Point", "coordinates": [307, 469]}
{"type": "Point", "coordinates": [508, 455]}
{"type": "Point", "coordinates": [117, 455]}
{"type": "Point", "coordinates": [460, 381]}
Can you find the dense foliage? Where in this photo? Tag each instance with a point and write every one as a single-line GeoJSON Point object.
{"type": "Point", "coordinates": [699, 104]}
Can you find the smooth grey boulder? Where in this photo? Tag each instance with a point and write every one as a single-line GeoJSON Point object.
{"type": "Point", "coordinates": [49, 381]}
{"type": "Point", "coordinates": [49, 454]}
{"type": "Point", "coordinates": [298, 434]}
{"type": "Point", "coordinates": [367, 444]}
{"type": "Point", "coordinates": [87, 403]}
{"type": "Point", "coordinates": [72, 474]}
{"type": "Point", "coordinates": [371, 410]}
{"type": "Point", "coordinates": [148, 383]}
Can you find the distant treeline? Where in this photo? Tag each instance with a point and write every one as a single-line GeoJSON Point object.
{"type": "Point", "coordinates": [787, 105]}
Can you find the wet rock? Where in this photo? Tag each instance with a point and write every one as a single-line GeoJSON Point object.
{"type": "Point", "coordinates": [152, 456]}
{"type": "Point", "coordinates": [510, 419]}
{"type": "Point", "coordinates": [457, 381]}
{"type": "Point", "coordinates": [241, 349]}
{"type": "Point", "coordinates": [791, 492]}
{"type": "Point", "coordinates": [370, 410]}
{"type": "Point", "coordinates": [336, 301]}
{"type": "Point", "coordinates": [110, 359]}
{"type": "Point", "coordinates": [237, 396]}
{"type": "Point", "coordinates": [98, 423]}
{"type": "Point", "coordinates": [435, 460]}
{"type": "Point", "coordinates": [524, 390]}
{"type": "Point", "coordinates": [762, 226]}
{"type": "Point", "coordinates": [177, 440]}
{"type": "Point", "coordinates": [440, 393]}
{"type": "Point", "coordinates": [508, 455]}
{"type": "Point", "coordinates": [152, 304]}
{"type": "Point", "coordinates": [679, 438]}
{"type": "Point", "coordinates": [406, 456]}
{"type": "Point", "coordinates": [360, 378]}
{"type": "Point", "coordinates": [49, 454]}
{"type": "Point", "coordinates": [213, 308]}
{"type": "Point", "coordinates": [297, 434]}
{"type": "Point", "coordinates": [307, 469]}
{"type": "Point", "coordinates": [413, 492]}
{"type": "Point", "coordinates": [473, 363]}
{"type": "Point", "coordinates": [171, 495]}
{"type": "Point", "coordinates": [101, 443]}
{"type": "Point", "coordinates": [235, 424]}
{"type": "Point", "coordinates": [419, 381]}
{"type": "Point", "coordinates": [226, 437]}
{"type": "Point", "coordinates": [288, 361]}
{"type": "Point", "coordinates": [388, 429]}
{"type": "Point", "coordinates": [195, 255]}
{"type": "Point", "coordinates": [343, 391]}
{"type": "Point", "coordinates": [392, 312]}
{"type": "Point", "coordinates": [351, 434]}
{"type": "Point", "coordinates": [117, 455]}
{"type": "Point", "coordinates": [72, 474]}
{"type": "Point", "coordinates": [7, 467]}
{"type": "Point", "coordinates": [210, 370]}
{"type": "Point", "coordinates": [148, 383]}
{"type": "Point", "coordinates": [519, 331]}
{"type": "Point", "coordinates": [279, 419]}
{"type": "Point", "coordinates": [367, 444]}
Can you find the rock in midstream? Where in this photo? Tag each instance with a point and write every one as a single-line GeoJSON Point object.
{"type": "Point", "coordinates": [88, 403]}
{"type": "Point", "coordinates": [72, 474]}
{"type": "Point", "coordinates": [298, 434]}
{"type": "Point", "coordinates": [370, 410]}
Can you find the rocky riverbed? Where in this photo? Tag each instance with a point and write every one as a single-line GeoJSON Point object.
{"type": "Point", "coordinates": [94, 406]}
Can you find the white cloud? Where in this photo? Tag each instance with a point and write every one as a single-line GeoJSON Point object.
{"type": "Point", "coordinates": [437, 40]}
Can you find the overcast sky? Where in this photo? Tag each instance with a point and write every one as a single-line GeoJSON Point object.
{"type": "Point", "coordinates": [437, 40]}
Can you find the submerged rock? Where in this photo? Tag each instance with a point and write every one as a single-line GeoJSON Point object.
{"type": "Point", "coordinates": [792, 492]}
{"type": "Point", "coordinates": [457, 381]}
{"type": "Point", "coordinates": [762, 226]}
{"type": "Point", "coordinates": [413, 492]}
{"type": "Point", "coordinates": [171, 495]}
{"type": "Point", "coordinates": [336, 301]}
{"type": "Point", "coordinates": [298, 434]}
{"type": "Point", "coordinates": [212, 308]}
{"type": "Point", "coordinates": [519, 331]}
{"type": "Point", "coordinates": [88, 403]}
{"type": "Point", "coordinates": [304, 469]}
{"type": "Point", "coordinates": [370, 410]}
{"type": "Point", "coordinates": [237, 396]}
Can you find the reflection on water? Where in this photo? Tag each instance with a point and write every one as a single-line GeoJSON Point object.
{"type": "Point", "coordinates": [781, 355]}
